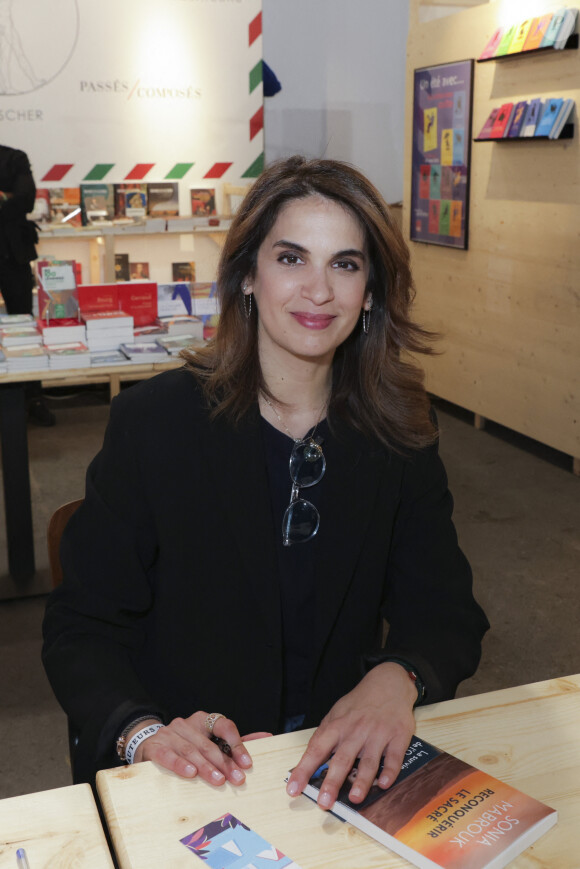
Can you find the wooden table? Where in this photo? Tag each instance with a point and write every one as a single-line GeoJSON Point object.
{"type": "Point", "coordinates": [14, 443]}
{"type": "Point", "coordinates": [527, 735]}
{"type": "Point", "coordinates": [59, 829]}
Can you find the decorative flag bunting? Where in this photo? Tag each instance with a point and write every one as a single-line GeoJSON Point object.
{"type": "Point", "coordinates": [256, 168]}
{"type": "Point", "coordinates": [217, 170]}
{"type": "Point", "coordinates": [57, 172]}
{"type": "Point", "coordinates": [257, 122]}
{"type": "Point", "coordinates": [139, 171]}
{"type": "Point", "coordinates": [179, 171]}
{"type": "Point", "coordinates": [98, 172]}
{"type": "Point", "coordinates": [256, 76]}
{"type": "Point", "coordinates": [255, 28]}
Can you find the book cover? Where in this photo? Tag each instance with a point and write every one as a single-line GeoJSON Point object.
{"type": "Point", "coordinates": [65, 205]}
{"type": "Point", "coordinates": [458, 108]}
{"type": "Point", "coordinates": [41, 211]}
{"type": "Point", "coordinates": [493, 44]}
{"type": "Point", "coordinates": [458, 145]}
{"type": "Point", "coordinates": [501, 121]}
{"type": "Point", "coordinates": [182, 324]}
{"type": "Point", "coordinates": [531, 117]}
{"type": "Point", "coordinates": [566, 28]}
{"type": "Point", "coordinates": [139, 271]}
{"type": "Point", "coordinates": [72, 355]}
{"type": "Point", "coordinates": [227, 842]}
{"type": "Point", "coordinates": [174, 344]}
{"type": "Point", "coordinates": [130, 201]}
{"type": "Point", "coordinates": [108, 320]}
{"type": "Point", "coordinates": [143, 351]}
{"type": "Point", "coordinates": [446, 182]}
{"type": "Point", "coordinates": [183, 271]}
{"type": "Point", "coordinates": [97, 203]}
{"type": "Point", "coordinates": [435, 188]}
{"type": "Point", "coordinates": [202, 202]}
{"type": "Point", "coordinates": [551, 33]}
{"type": "Point", "coordinates": [15, 320]}
{"type": "Point", "coordinates": [443, 813]}
{"type": "Point", "coordinates": [517, 43]}
{"type": "Point", "coordinates": [98, 297]}
{"type": "Point", "coordinates": [140, 300]}
{"type": "Point", "coordinates": [57, 289]}
{"type": "Point", "coordinates": [537, 32]}
{"type": "Point", "coordinates": [517, 122]}
{"type": "Point", "coordinates": [455, 219]}
{"type": "Point", "coordinates": [485, 132]}
{"type": "Point", "coordinates": [163, 199]}
{"type": "Point", "coordinates": [108, 357]}
{"type": "Point", "coordinates": [434, 207]}
{"type": "Point", "coordinates": [563, 116]}
{"type": "Point", "coordinates": [149, 333]}
{"type": "Point", "coordinates": [122, 267]}
{"type": "Point", "coordinates": [447, 147]}
{"type": "Point", "coordinates": [430, 138]}
{"type": "Point", "coordinates": [444, 216]}
{"type": "Point", "coordinates": [548, 117]}
{"type": "Point", "coordinates": [506, 40]}
{"type": "Point", "coordinates": [424, 181]}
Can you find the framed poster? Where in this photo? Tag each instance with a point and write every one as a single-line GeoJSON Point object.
{"type": "Point", "coordinates": [442, 104]}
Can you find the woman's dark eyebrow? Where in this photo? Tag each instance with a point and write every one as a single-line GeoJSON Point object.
{"type": "Point", "coordinates": [301, 249]}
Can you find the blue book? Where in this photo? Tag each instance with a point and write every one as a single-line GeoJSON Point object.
{"type": "Point", "coordinates": [531, 118]}
{"type": "Point", "coordinates": [549, 116]}
{"type": "Point", "coordinates": [553, 28]}
{"type": "Point", "coordinates": [563, 115]}
{"type": "Point", "coordinates": [518, 118]}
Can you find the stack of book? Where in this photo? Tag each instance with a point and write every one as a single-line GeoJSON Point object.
{"type": "Point", "coordinates": [72, 355]}
{"type": "Point", "coordinates": [182, 324]}
{"type": "Point", "coordinates": [18, 333]}
{"type": "Point", "coordinates": [106, 330]}
{"type": "Point", "coordinates": [63, 331]}
{"type": "Point", "coordinates": [26, 357]}
{"type": "Point", "coordinates": [174, 344]}
{"type": "Point", "coordinates": [108, 358]}
{"type": "Point", "coordinates": [149, 333]}
{"type": "Point", "coordinates": [3, 363]}
{"type": "Point", "coordinates": [144, 351]}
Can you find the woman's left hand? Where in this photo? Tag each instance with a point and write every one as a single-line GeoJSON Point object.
{"type": "Point", "coordinates": [372, 721]}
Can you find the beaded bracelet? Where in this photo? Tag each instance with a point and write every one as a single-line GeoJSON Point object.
{"type": "Point", "coordinates": [140, 737]}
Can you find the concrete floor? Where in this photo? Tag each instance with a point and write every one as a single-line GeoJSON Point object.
{"type": "Point", "coordinates": [517, 515]}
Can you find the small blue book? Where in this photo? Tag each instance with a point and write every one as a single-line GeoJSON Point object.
{"type": "Point", "coordinates": [553, 28]}
{"type": "Point", "coordinates": [532, 116]}
{"type": "Point", "coordinates": [549, 116]}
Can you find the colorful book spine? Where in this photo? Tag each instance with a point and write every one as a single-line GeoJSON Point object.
{"type": "Point", "coordinates": [485, 132]}
{"type": "Point", "coordinates": [493, 44]}
{"type": "Point", "coordinates": [549, 115]}
{"type": "Point", "coordinates": [531, 118]}
{"type": "Point", "coordinates": [515, 128]}
{"type": "Point", "coordinates": [551, 33]}
{"type": "Point", "coordinates": [502, 120]}
{"type": "Point", "coordinates": [537, 32]}
{"type": "Point", "coordinates": [517, 43]}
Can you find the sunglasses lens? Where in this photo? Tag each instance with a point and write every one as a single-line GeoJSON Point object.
{"type": "Point", "coordinates": [307, 463]}
{"type": "Point", "coordinates": [300, 523]}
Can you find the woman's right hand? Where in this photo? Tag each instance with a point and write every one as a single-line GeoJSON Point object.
{"type": "Point", "coordinates": [184, 747]}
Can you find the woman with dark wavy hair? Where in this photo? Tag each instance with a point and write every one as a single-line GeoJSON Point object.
{"type": "Point", "coordinates": [279, 541]}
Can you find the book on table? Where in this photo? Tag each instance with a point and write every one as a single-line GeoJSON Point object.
{"type": "Point", "coordinates": [12, 336]}
{"type": "Point", "coordinates": [107, 358]}
{"type": "Point", "coordinates": [182, 324]}
{"type": "Point", "coordinates": [72, 355]}
{"type": "Point", "coordinates": [62, 331]}
{"type": "Point", "coordinates": [444, 813]}
{"type": "Point", "coordinates": [57, 289]}
{"type": "Point", "coordinates": [15, 320]}
{"type": "Point", "coordinates": [26, 357]}
{"type": "Point", "coordinates": [144, 351]}
{"type": "Point", "coordinates": [174, 344]}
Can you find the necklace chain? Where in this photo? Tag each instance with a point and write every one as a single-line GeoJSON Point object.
{"type": "Point", "coordinates": [285, 427]}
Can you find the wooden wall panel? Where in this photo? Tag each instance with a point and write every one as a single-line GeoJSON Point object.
{"type": "Point", "coordinates": [509, 307]}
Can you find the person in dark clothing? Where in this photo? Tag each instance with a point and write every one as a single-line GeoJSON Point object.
{"type": "Point", "coordinates": [17, 249]}
{"type": "Point", "coordinates": [257, 518]}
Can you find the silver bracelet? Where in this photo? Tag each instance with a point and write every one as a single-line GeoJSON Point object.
{"type": "Point", "coordinates": [139, 738]}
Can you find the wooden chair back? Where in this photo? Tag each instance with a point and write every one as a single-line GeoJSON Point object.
{"type": "Point", "coordinates": [56, 526]}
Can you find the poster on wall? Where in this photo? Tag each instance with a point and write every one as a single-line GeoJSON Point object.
{"type": "Point", "coordinates": [136, 92]}
{"type": "Point", "coordinates": [441, 154]}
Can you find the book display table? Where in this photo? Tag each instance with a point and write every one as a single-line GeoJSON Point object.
{"type": "Point", "coordinates": [526, 736]}
{"type": "Point", "coordinates": [59, 827]}
{"type": "Point", "coordinates": [13, 439]}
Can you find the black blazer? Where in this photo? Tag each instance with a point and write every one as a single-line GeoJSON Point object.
{"type": "Point", "coordinates": [170, 601]}
{"type": "Point", "coordinates": [17, 234]}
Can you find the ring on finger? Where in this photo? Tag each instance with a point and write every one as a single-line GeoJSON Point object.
{"type": "Point", "coordinates": [210, 721]}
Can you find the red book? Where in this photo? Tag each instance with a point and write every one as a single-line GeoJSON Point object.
{"type": "Point", "coordinates": [98, 297]}
{"type": "Point", "coordinates": [140, 300]}
{"type": "Point", "coordinates": [434, 209]}
{"type": "Point", "coordinates": [501, 122]}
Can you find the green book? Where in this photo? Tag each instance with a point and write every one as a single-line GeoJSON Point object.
{"type": "Point", "coordinates": [506, 40]}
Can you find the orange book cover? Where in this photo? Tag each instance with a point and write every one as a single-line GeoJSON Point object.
{"type": "Point", "coordinates": [443, 813]}
{"type": "Point", "coordinates": [537, 32]}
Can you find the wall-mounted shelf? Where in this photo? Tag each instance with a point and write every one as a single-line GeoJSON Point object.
{"type": "Point", "coordinates": [572, 43]}
{"type": "Point", "coordinates": [567, 133]}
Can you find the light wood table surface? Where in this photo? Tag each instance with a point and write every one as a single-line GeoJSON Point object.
{"type": "Point", "coordinates": [529, 736]}
{"type": "Point", "coordinates": [59, 829]}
